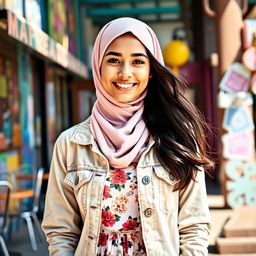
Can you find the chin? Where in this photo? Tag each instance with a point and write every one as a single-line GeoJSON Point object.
{"type": "Point", "coordinates": [124, 100]}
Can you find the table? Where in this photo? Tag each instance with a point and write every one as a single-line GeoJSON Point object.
{"type": "Point", "coordinates": [19, 193]}
{"type": "Point", "coordinates": [20, 176]}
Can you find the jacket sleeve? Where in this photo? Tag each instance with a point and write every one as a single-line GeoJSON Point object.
{"type": "Point", "coordinates": [61, 222]}
{"type": "Point", "coordinates": [194, 218]}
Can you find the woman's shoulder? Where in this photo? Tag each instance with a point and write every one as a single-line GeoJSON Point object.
{"type": "Point", "coordinates": [77, 133]}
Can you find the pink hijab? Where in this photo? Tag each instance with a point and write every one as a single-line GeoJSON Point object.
{"type": "Point", "coordinates": [119, 128]}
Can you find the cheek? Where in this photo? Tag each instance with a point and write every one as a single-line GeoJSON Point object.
{"type": "Point", "coordinates": [144, 75]}
{"type": "Point", "coordinates": [105, 74]}
{"type": "Point", "coordinates": [108, 72]}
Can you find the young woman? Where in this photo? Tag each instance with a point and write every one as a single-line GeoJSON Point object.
{"type": "Point", "coordinates": [130, 180]}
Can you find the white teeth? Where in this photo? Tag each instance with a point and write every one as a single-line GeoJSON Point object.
{"type": "Point", "coordinates": [124, 85]}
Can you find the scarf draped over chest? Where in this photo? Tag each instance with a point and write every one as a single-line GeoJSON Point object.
{"type": "Point", "coordinates": [119, 128]}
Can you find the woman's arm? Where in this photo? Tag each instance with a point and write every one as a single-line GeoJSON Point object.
{"type": "Point", "coordinates": [194, 218]}
{"type": "Point", "coordinates": [62, 221]}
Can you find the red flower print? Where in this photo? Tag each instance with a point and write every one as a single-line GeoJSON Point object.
{"type": "Point", "coordinates": [119, 205]}
{"type": "Point", "coordinates": [118, 177]}
{"type": "Point", "coordinates": [125, 243]}
{"type": "Point", "coordinates": [118, 208]}
{"type": "Point", "coordinates": [108, 219]}
{"type": "Point", "coordinates": [133, 186]}
{"type": "Point", "coordinates": [102, 239]}
{"type": "Point", "coordinates": [129, 225]}
{"type": "Point", "coordinates": [106, 192]}
{"type": "Point", "coordinates": [114, 236]}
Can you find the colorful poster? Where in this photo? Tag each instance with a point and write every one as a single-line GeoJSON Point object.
{"type": "Point", "coordinates": [12, 161]}
{"type": "Point", "coordinates": [238, 146]}
{"type": "Point", "coordinates": [71, 26]}
{"type": "Point", "coordinates": [15, 6]}
{"type": "Point", "coordinates": [33, 13]}
{"type": "Point", "coordinates": [3, 86]}
{"type": "Point", "coordinates": [3, 161]}
{"type": "Point", "coordinates": [241, 184]}
{"type": "Point", "coordinates": [236, 79]}
{"type": "Point", "coordinates": [9, 161]}
{"type": "Point", "coordinates": [51, 117]}
{"type": "Point", "coordinates": [26, 109]}
{"type": "Point", "coordinates": [7, 127]}
{"type": "Point", "coordinates": [9, 103]}
{"type": "Point", "coordinates": [44, 15]}
{"type": "Point", "coordinates": [237, 120]}
{"type": "Point", "coordinates": [57, 21]}
{"type": "Point", "coordinates": [248, 31]}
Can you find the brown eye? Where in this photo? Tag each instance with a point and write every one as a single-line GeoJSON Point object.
{"type": "Point", "coordinates": [113, 60]}
{"type": "Point", "coordinates": [138, 62]}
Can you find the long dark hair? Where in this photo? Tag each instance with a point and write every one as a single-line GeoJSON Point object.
{"type": "Point", "coordinates": [176, 125]}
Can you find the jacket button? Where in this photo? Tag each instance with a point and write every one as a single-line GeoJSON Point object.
{"type": "Point", "coordinates": [148, 212]}
{"type": "Point", "coordinates": [91, 237]}
{"type": "Point", "coordinates": [146, 180]}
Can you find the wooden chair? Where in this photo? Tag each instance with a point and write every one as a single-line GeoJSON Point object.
{"type": "Point", "coordinates": [5, 190]}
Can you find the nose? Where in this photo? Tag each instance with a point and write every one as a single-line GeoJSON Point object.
{"type": "Point", "coordinates": [125, 72]}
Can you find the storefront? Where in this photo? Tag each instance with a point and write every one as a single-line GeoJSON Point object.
{"type": "Point", "coordinates": [10, 124]}
{"type": "Point", "coordinates": [58, 100]}
{"type": "Point", "coordinates": [36, 74]}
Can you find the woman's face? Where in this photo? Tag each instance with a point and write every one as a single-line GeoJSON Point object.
{"type": "Point", "coordinates": [125, 68]}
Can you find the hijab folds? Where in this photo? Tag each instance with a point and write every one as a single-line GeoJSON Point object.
{"type": "Point", "coordinates": [119, 128]}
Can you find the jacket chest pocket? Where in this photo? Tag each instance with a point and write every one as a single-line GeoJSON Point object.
{"type": "Point", "coordinates": [165, 196]}
{"type": "Point", "coordinates": [79, 180]}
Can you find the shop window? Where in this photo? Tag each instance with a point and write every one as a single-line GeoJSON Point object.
{"type": "Point", "coordinates": [10, 132]}
{"type": "Point", "coordinates": [10, 129]}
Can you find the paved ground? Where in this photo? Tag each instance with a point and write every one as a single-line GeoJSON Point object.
{"type": "Point", "coordinates": [20, 243]}
{"type": "Point", "coordinates": [219, 217]}
{"type": "Point", "coordinates": [20, 240]}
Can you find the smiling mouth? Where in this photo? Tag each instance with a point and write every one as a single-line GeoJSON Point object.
{"type": "Point", "coordinates": [124, 85]}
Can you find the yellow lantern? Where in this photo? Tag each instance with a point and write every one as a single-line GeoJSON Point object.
{"type": "Point", "coordinates": [176, 53]}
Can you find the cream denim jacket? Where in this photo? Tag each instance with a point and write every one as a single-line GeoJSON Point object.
{"type": "Point", "coordinates": [173, 223]}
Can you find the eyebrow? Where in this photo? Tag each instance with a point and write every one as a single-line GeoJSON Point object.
{"type": "Point", "coordinates": [120, 54]}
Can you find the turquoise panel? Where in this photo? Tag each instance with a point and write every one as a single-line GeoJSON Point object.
{"type": "Point", "coordinates": [93, 12]}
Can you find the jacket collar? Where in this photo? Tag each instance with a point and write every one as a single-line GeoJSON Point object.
{"type": "Point", "coordinates": [83, 136]}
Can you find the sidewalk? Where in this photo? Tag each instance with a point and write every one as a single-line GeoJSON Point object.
{"type": "Point", "coordinates": [20, 240]}
{"type": "Point", "coordinates": [19, 244]}
{"type": "Point", "coordinates": [219, 217]}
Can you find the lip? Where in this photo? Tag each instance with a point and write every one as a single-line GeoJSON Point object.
{"type": "Point", "coordinates": [125, 87]}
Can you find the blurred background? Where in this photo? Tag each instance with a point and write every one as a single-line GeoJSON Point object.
{"type": "Point", "coordinates": [46, 87]}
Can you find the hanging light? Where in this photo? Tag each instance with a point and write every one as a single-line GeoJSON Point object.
{"type": "Point", "coordinates": [176, 52]}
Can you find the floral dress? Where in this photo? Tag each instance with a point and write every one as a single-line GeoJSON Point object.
{"type": "Point", "coordinates": [121, 233]}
